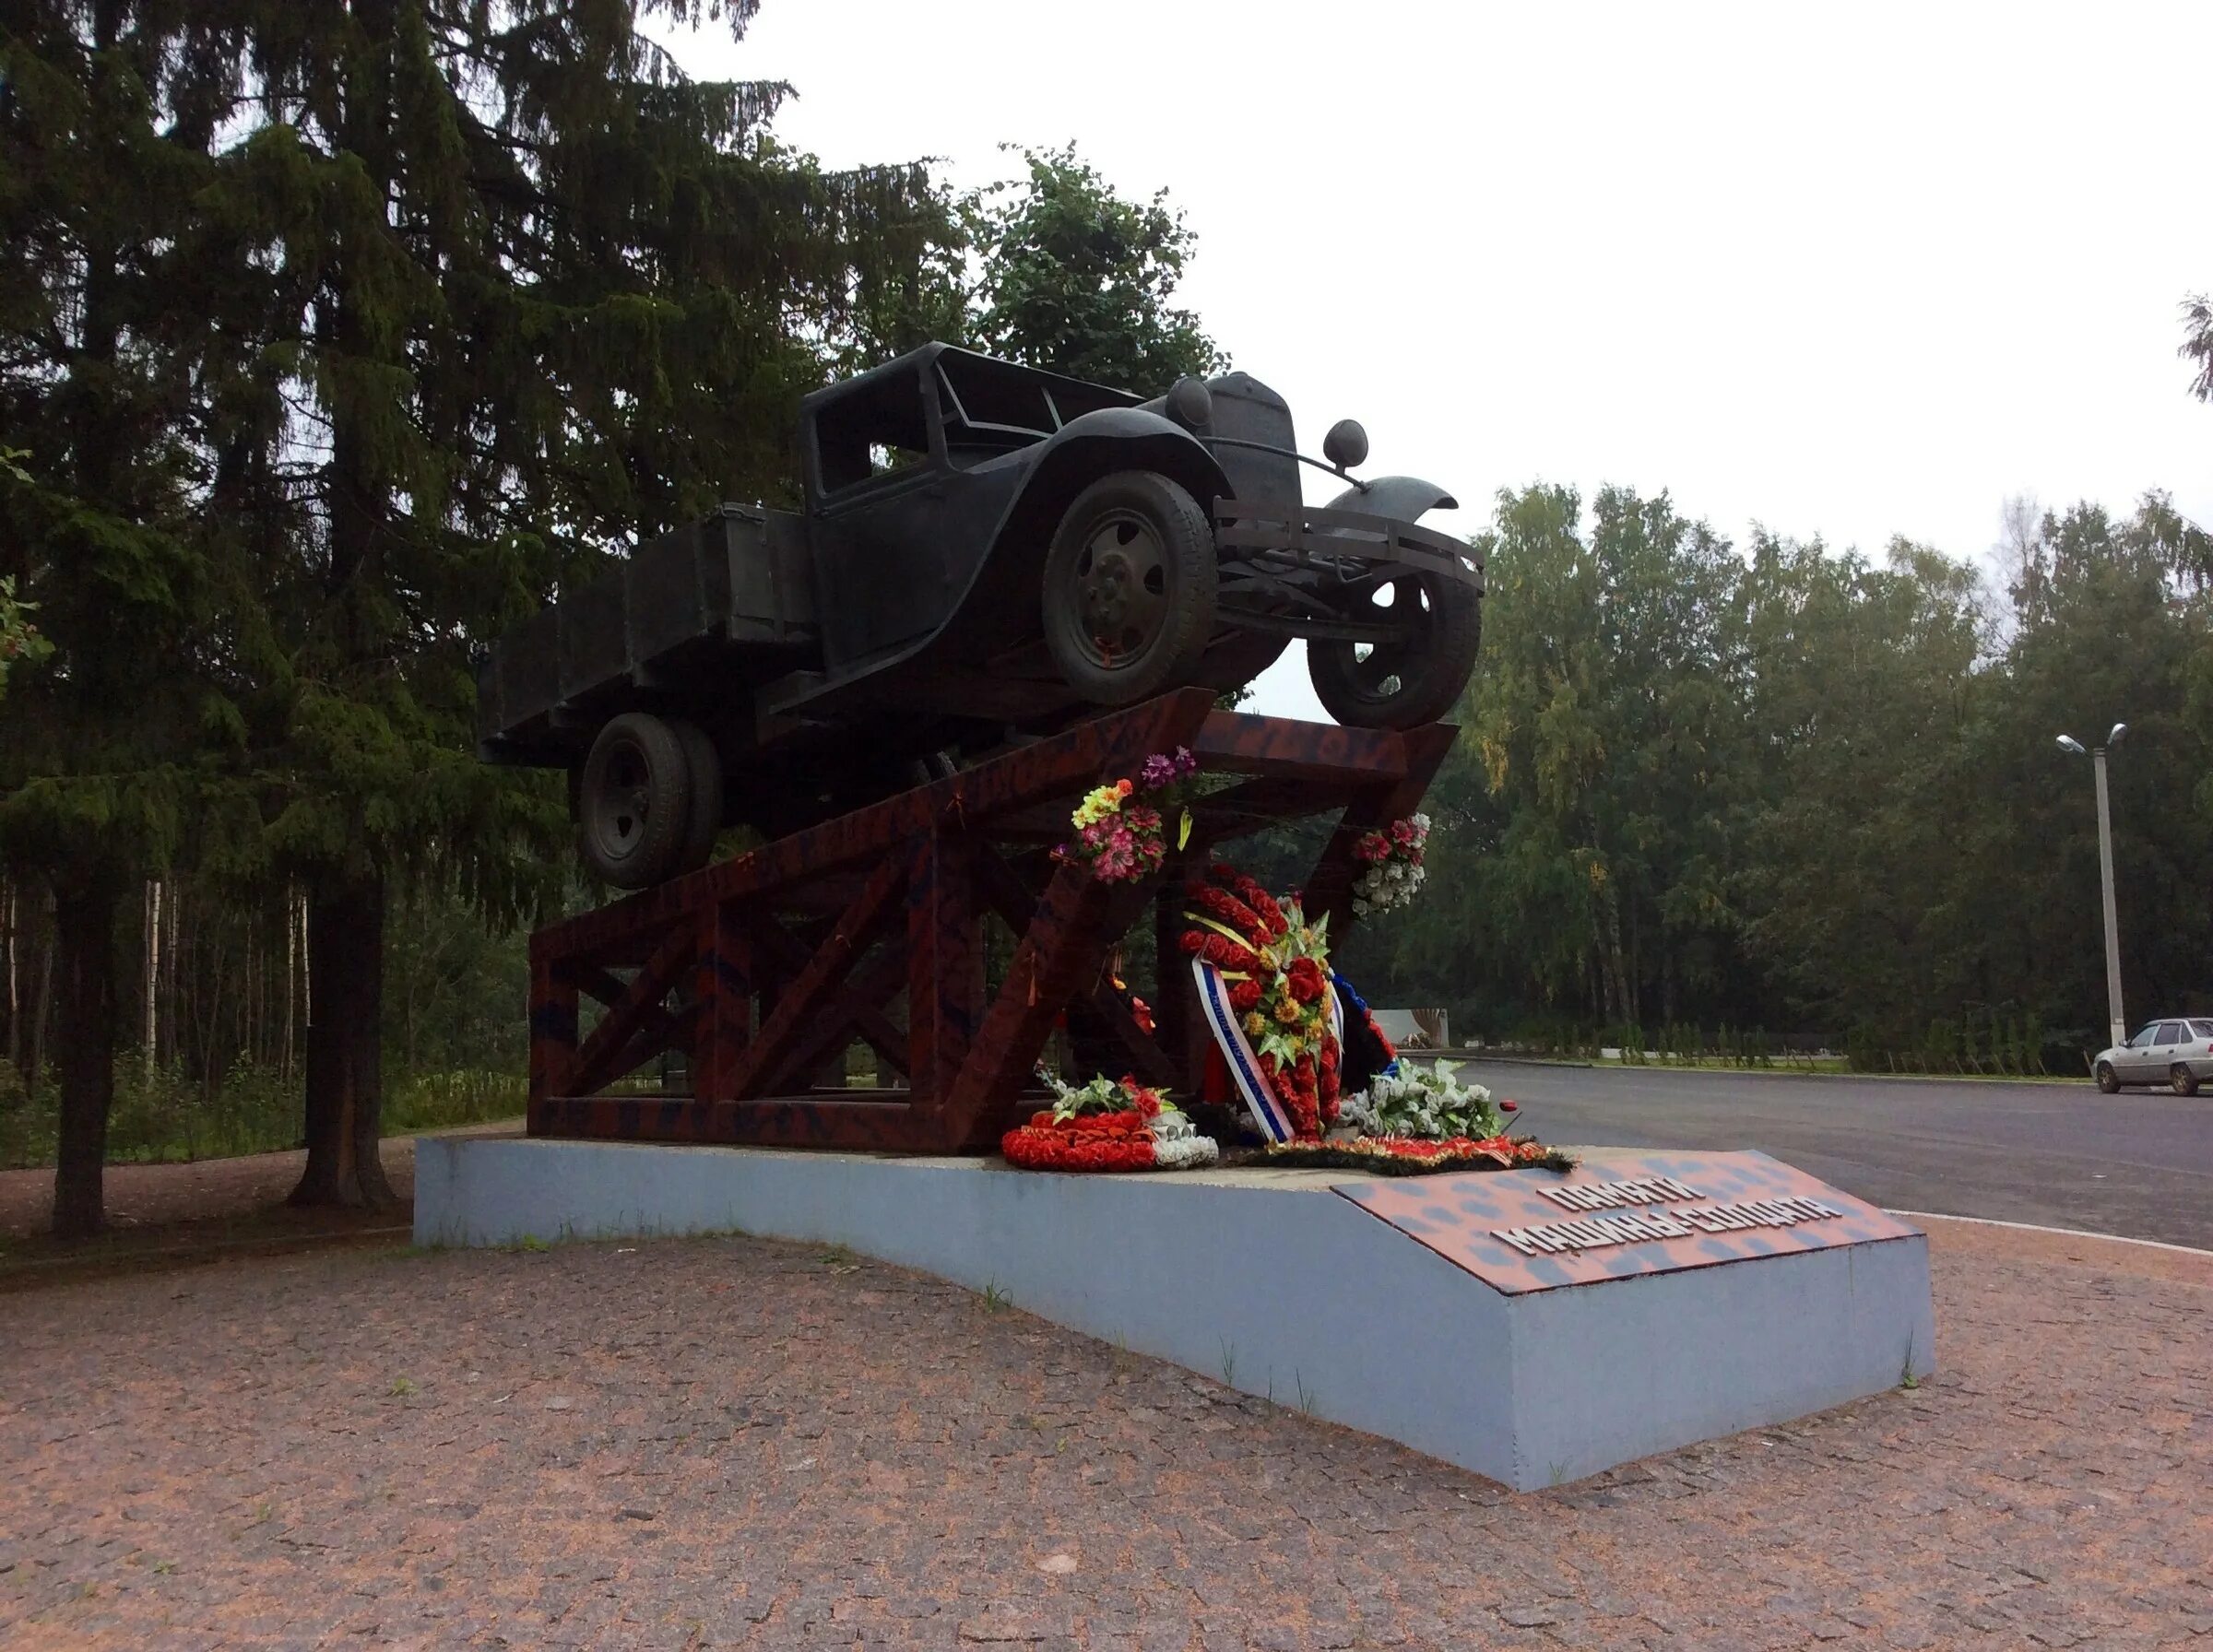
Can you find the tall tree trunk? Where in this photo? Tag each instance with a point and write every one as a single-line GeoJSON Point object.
{"type": "Point", "coordinates": [345, 1047]}
{"type": "Point", "coordinates": [84, 916]}
{"type": "Point", "coordinates": [35, 1047]}
{"type": "Point", "coordinates": [151, 1035]}
{"type": "Point", "coordinates": [15, 998]}
{"type": "Point", "coordinates": [292, 981]}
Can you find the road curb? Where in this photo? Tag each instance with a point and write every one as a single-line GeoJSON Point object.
{"type": "Point", "coordinates": [2032, 1227]}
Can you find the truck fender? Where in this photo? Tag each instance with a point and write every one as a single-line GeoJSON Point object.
{"type": "Point", "coordinates": [1401, 498]}
{"type": "Point", "coordinates": [1095, 445]}
{"type": "Point", "coordinates": [1002, 598]}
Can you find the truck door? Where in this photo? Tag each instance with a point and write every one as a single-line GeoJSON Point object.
{"type": "Point", "coordinates": [878, 477]}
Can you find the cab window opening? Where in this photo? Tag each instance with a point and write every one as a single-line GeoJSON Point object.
{"type": "Point", "coordinates": [880, 429]}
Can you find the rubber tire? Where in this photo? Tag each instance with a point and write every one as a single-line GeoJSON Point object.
{"type": "Point", "coordinates": [2183, 1078]}
{"type": "Point", "coordinates": [1426, 691]}
{"type": "Point", "coordinates": [703, 771]}
{"type": "Point", "coordinates": [2109, 1083]}
{"type": "Point", "coordinates": [1172, 657]}
{"type": "Point", "coordinates": [651, 854]}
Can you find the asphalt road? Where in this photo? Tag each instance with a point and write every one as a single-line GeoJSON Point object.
{"type": "Point", "coordinates": [2139, 1163]}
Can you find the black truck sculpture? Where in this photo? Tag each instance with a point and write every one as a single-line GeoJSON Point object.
{"type": "Point", "coordinates": [986, 551]}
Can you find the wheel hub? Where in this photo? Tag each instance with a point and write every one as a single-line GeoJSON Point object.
{"type": "Point", "coordinates": [1121, 589]}
{"type": "Point", "coordinates": [625, 804]}
{"type": "Point", "coordinates": [1107, 594]}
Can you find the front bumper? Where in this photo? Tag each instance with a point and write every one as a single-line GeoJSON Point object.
{"type": "Point", "coordinates": [1347, 546]}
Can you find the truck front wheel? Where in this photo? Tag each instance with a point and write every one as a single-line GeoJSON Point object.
{"type": "Point", "coordinates": [1417, 675]}
{"type": "Point", "coordinates": [1128, 588]}
{"type": "Point", "coordinates": [634, 802]}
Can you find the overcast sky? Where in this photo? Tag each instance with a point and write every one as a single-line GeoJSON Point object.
{"type": "Point", "coordinates": [1850, 272]}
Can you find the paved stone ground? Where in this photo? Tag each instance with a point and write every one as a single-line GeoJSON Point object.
{"type": "Point", "coordinates": [190, 1197]}
{"type": "Point", "coordinates": [726, 1442]}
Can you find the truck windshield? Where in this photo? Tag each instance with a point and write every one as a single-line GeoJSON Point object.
{"type": "Point", "coordinates": [986, 398]}
{"type": "Point", "coordinates": [996, 406]}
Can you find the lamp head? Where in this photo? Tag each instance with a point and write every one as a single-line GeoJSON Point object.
{"type": "Point", "coordinates": [2114, 738]}
{"type": "Point", "coordinates": [1189, 403]}
{"type": "Point", "coordinates": [1346, 444]}
{"type": "Point", "coordinates": [2067, 742]}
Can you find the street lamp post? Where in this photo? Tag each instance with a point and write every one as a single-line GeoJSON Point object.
{"type": "Point", "coordinates": [2106, 877]}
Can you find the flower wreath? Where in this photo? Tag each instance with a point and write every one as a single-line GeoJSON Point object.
{"type": "Point", "coordinates": [1409, 1156]}
{"type": "Point", "coordinates": [1412, 1119]}
{"type": "Point", "coordinates": [1119, 840]}
{"type": "Point", "coordinates": [1106, 1124]}
{"type": "Point", "coordinates": [1391, 865]}
{"type": "Point", "coordinates": [1275, 968]}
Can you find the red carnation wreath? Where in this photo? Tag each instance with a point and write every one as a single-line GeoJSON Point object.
{"type": "Point", "coordinates": [1276, 966]}
{"type": "Point", "coordinates": [1106, 1124]}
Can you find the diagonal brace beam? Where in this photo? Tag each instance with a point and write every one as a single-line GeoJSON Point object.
{"type": "Point", "coordinates": [615, 1039]}
{"type": "Point", "coordinates": [818, 981]}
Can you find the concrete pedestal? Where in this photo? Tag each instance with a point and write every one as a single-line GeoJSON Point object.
{"type": "Point", "coordinates": [1477, 1317]}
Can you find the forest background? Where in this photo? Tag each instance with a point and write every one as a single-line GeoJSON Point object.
{"type": "Point", "coordinates": [333, 340]}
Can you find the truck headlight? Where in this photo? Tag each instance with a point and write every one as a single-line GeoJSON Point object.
{"type": "Point", "coordinates": [1189, 403]}
{"type": "Point", "coordinates": [1346, 444]}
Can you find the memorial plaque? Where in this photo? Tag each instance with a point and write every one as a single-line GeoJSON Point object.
{"type": "Point", "coordinates": [1620, 1214]}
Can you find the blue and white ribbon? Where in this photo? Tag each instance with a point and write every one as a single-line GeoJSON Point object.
{"type": "Point", "coordinates": [1267, 1113]}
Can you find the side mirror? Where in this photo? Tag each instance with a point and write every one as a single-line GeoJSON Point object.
{"type": "Point", "coordinates": [1346, 444]}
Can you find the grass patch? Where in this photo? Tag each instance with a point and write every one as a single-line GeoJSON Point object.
{"type": "Point", "coordinates": [165, 1118]}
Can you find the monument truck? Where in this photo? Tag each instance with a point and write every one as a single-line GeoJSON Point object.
{"type": "Point", "coordinates": [986, 552]}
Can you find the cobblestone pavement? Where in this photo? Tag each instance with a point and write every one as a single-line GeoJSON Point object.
{"type": "Point", "coordinates": [206, 1191]}
{"type": "Point", "coordinates": [728, 1443]}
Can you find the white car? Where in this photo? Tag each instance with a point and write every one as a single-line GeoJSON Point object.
{"type": "Point", "coordinates": [2177, 1052]}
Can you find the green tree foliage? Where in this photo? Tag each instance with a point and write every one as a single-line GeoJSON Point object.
{"type": "Point", "coordinates": [1080, 280]}
{"type": "Point", "coordinates": [1708, 791]}
{"type": "Point", "coordinates": [533, 294]}
{"type": "Point", "coordinates": [21, 642]}
{"type": "Point", "coordinates": [1584, 815]}
{"type": "Point", "coordinates": [365, 328]}
{"type": "Point", "coordinates": [2198, 344]}
{"type": "Point", "coordinates": [107, 131]}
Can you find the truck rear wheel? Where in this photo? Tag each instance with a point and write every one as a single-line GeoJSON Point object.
{"type": "Point", "coordinates": [634, 804]}
{"type": "Point", "coordinates": [702, 773]}
{"type": "Point", "coordinates": [1417, 675]}
{"type": "Point", "coordinates": [1128, 588]}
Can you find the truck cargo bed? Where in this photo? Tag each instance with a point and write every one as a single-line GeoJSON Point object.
{"type": "Point", "coordinates": [728, 599]}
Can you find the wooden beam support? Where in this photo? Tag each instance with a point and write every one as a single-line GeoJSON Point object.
{"type": "Point", "coordinates": [783, 954]}
{"type": "Point", "coordinates": [1152, 1064]}
{"type": "Point", "coordinates": [944, 961]}
{"type": "Point", "coordinates": [802, 996]}
{"type": "Point", "coordinates": [552, 1035]}
{"type": "Point", "coordinates": [1277, 747]}
{"type": "Point", "coordinates": [852, 1011]}
{"type": "Point", "coordinates": [1077, 919]}
{"type": "Point", "coordinates": [1062, 765]}
{"type": "Point", "coordinates": [724, 997]}
{"type": "Point", "coordinates": [619, 1029]}
{"type": "Point", "coordinates": [855, 1007]}
{"type": "Point", "coordinates": [879, 1122]}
